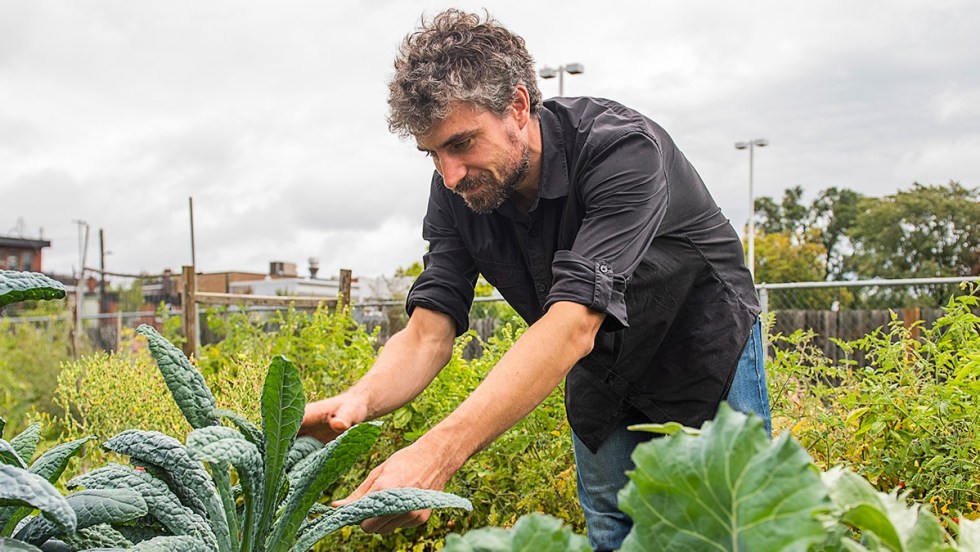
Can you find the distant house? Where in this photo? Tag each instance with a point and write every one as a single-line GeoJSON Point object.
{"type": "Point", "coordinates": [21, 253]}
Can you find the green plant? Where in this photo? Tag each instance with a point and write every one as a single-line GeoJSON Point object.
{"type": "Point", "coordinates": [727, 487]}
{"type": "Point", "coordinates": [906, 419]}
{"type": "Point", "coordinates": [189, 488]}
{"type": "Point", "coordinates": [18, 286]}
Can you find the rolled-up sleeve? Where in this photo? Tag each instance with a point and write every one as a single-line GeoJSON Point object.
{"type": "Point", "coordinates": [624, 194]}
{"type": "Point", "coordinates": [446, 284]}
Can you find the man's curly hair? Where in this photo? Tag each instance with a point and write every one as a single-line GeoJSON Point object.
{"type": "Point", "coordinates": [457, 57]}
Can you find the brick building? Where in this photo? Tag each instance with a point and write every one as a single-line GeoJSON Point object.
{"type": "Point", "coordinates": [21, 253]}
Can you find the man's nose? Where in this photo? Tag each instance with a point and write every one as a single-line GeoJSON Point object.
{"type": "Point", "coordinates": [452, 171]}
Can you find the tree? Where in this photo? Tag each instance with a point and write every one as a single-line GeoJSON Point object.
{"type": "Point", "coordinates": [928, 231]}
{"type": "Point", "coordinates": [825, 222]}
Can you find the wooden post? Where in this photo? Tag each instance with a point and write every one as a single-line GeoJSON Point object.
{"type": "Point", "coordinates": [189, 302]}
{"type": "Point", "coordinates": [118, 331]}
{"type": "Point", "coordinates": [343, 294]}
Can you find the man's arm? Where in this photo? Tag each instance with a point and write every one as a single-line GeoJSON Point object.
{"type": "Point", "coordinates": [406, 365]}
{"type": "Point", "coordinates": [521, 380]}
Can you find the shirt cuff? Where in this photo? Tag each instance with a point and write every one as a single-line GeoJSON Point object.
{"type": "Point", "coordinates": [591, 283]}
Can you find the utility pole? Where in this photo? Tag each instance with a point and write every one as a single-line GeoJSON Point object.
{"type": "Point", "coordinates": [103, 300]}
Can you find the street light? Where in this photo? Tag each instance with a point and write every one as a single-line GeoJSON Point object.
{"type": "Point", "coordinates": [550, 73]}
{"type": "Point", "coordinates": [751, 145]}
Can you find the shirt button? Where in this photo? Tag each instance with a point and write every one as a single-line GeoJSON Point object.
{"type": "Point", "coordinates": [542, 288]}
{"type": "Point", "coordinates": [603, 269]}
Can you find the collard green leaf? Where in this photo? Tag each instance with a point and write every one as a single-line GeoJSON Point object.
{"type": "Point", "coordinates": [20, 487]}
{"type": "Point", "coordinates": [886, 516]}
{"type": "Point", "coordinates": [668, 428]}
{"type": "Point", "coordinates": [23, 286]}
{"type": "Point", "coordinates": [283, 404]}
{"type": "Point", "coordinates": [11, 545]}
{"type": "Point", "coordinates": [219, 444]}
{"type": "Point", "coordinates": [25, 444]}
{"type": "Point", "coordinates": [92, 507]}
{"type": "Point", "coordinates": [190, 391]}
{"type": "Point", "coordinates": [314, 474]}
{"type": "Point", "coordinates": [251, 432]}
{"type": "Point", "coordinates": [9, 456]}
{"type": "Point", "coordinates": [162, 503]}
{"type": "Point", "coordinates": [184, 475]}
{"type": "Point", "coordinates": [535, 531]}
{"type": "Point", "coordinates": [382, 503]}
{"type": "Point", "coordinates": [728, 489]}
{"type": "Point", "coordinates": [969, 537]}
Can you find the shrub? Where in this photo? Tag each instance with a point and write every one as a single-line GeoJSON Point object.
{"type": "Point", "coordinates": [907, 420]}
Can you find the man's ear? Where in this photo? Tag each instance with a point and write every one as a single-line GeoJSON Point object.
{"type": "Point", "coordinates": [521, 105]}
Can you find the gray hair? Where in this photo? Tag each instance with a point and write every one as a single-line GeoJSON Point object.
{"type": "Point", "coordinates": [457, 57]}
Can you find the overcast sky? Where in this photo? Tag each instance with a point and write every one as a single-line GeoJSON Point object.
{"type": "Point", "coordinates": [271, 115]}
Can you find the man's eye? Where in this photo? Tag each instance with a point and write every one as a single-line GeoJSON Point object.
{"type": "Point", "coordinates": [462, 144]}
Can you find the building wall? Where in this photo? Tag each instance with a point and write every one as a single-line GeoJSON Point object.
{"type": "Point", "coordinates": [17, 258]}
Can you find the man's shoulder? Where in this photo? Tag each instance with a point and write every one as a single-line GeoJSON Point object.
{"type": "Point", "coordinates": [593, 120]}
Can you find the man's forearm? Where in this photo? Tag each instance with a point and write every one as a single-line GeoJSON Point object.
{"type": "Point", "coordinates": [521, 380]}
{"type": "Point", "coordinates": [407, 363]}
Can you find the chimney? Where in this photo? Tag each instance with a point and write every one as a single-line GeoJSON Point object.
{"type": "Point", "coordinates": [314, 267]}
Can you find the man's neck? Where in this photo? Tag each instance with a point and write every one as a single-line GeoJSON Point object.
{"type": "Point", "coordinates": [527, 191]}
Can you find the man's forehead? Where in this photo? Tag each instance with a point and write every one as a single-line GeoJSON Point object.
{"type": "Point", "coordinates": [463, 119]}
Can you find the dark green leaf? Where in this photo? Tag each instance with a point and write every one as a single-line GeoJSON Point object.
{"type": "Point", "coordinates": [302, 447]}
{"type": "Point", "coordinates": [283, 403]}
{"type": "Point", "coordinates": [92, 507]}
{"type": "Point", "coordinates": [219, 444]}
{"type": "Point", "coordinates": [95, 537]}
{"type": "Point", "coordinates": [22, 286]}
{"type": "Point", "coordinates": [314, 474]}
{"type": "Point", "coordinates": [190, 391]}
{"type": "Point", "coordinates": [186, 476]}
{"type": "Point", "coordinates": [251, 432]}
{"type": "Point", "coordinates": [25, 444]}
{"type": "Point", "coordinates": [728, 489]}
{"type": "Point", "coordinates": [163, 504]}
{"type": "Point", "coordinates": [11, 545]}
{"type": "Point", "coordinates": [22, 488]}
{"type": "Point", "coordinates": [382, 503]}
{"type": "Point", "coordinates": [9, 456]}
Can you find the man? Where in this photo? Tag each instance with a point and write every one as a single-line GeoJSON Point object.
{"type": "Point", "coordinates": [597, 230]}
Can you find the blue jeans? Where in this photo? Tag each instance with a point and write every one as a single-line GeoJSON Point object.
{"type": "Point", "coordinates": [603, 474]}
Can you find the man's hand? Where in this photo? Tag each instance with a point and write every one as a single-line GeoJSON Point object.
{"type": "Point", "coordinates": [326, 419]}
{"type": "Point", "coordinates": [417, 466]}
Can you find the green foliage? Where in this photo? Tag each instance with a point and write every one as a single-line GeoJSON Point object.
{"type": "Point", "coordinates": [26, 487]}
{"type": "Point", "coordinates": [928, 231]}
{"type": "Point", "coordinates": [35, 349]}
{"type": "Point", "coordinates": [727, 487]}
{"type": "Point", "coordinates": [534, 531]}
{"type": "Point", "coordinates": [277, 490]}
{"type": "Point", "coordinates": [907, 420]}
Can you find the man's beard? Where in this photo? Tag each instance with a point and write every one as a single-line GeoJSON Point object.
{"type": "Point", "coordinates": [493, 192]}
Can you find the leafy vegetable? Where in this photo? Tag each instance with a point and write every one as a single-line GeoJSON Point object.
{"type": "Point", "coordinates": [18, 286]}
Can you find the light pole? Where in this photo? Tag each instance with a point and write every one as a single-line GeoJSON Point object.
{"type": "Point", "coordinates": [550, 73]}
{"type": "Point", "coordinates": [751, 145]}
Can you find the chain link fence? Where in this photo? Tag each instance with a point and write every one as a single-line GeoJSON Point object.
{"type": "Point", "coordinates": [851, 310]}
{"type": "Point", "coordinates": [831, 310]}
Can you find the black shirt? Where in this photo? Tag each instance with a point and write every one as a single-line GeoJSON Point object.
{"type": "Point", "coordinates": [624, 225]}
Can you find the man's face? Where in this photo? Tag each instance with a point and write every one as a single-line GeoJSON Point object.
{"type": "Point", "coordinates": [480, 156]}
